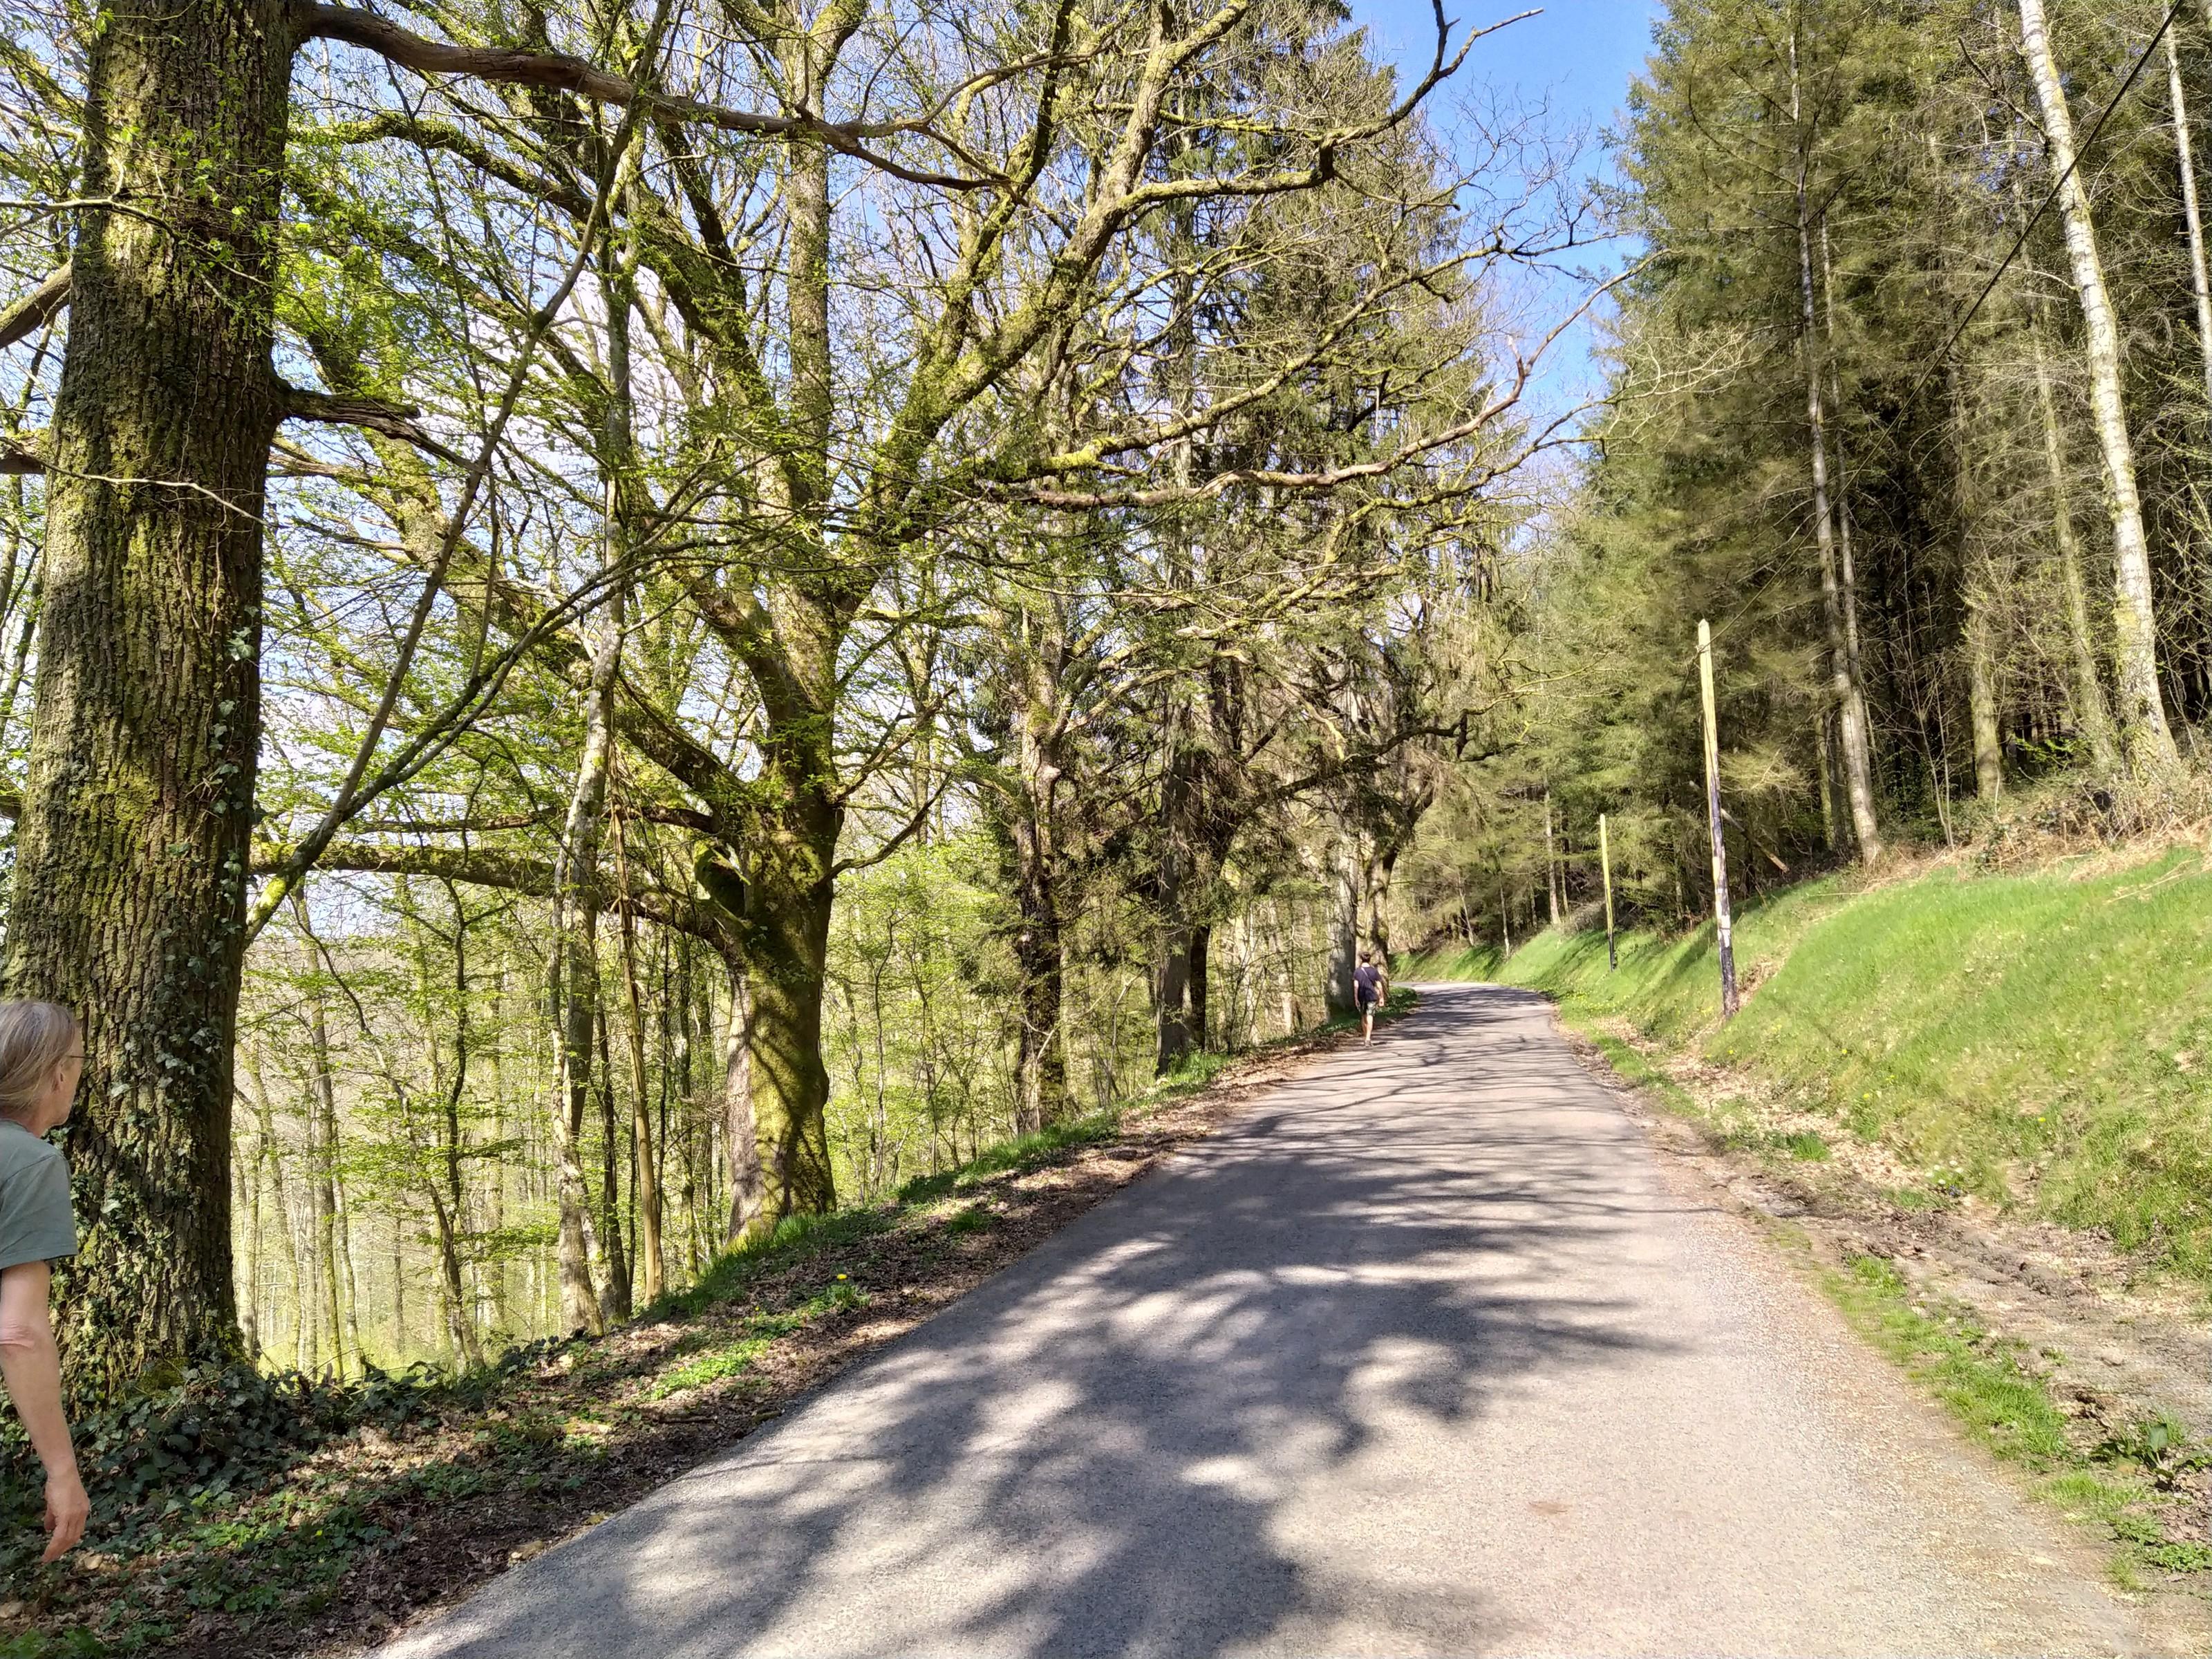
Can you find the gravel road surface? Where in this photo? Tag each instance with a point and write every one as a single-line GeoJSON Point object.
{"type": "Point", "coordinates": [1428, 1353]}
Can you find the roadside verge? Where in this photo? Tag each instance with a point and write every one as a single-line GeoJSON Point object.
{"type": "Point", "coordinates": [414, 1490]}
{"type": "Point", "coordinates": [2043, 1345]}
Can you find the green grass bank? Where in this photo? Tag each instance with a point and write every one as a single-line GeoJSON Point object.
{"type": "Point", "coordinates": [2043, 1041]}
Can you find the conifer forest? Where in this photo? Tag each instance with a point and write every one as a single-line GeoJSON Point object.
{"type": "Point", "coordinates": [630, 620]}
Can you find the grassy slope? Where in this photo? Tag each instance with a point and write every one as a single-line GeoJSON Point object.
{"type": "Point", "coordinates": [2039, 1039]}
{"type": "Point", "coordinates": [2043, 1040]}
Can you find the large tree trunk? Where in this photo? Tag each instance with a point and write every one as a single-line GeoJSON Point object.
{"type": "Point", "coordinates": [791, 886]}
{"type": "Point", "coordinates": [131, 856]}
{"type": "Point", "coordinates": [2135, 647]}
{"type": "Point", "coordinates": [1199, 955]}
{"type": "Point", "coordinates": [740, 1137]}
{"type": "Point", "coordinates": [787, 939]}
{"type": "Point", "coordinates": [1345, 882]}
{"type": "Point", "coordinates": [790, 873]}
{"type": "Point", "coordinates": [1171, 998]}
{"type": "Point", "coordinates": [1177, 885]}
{"type": "Point", "coordinates": [1382, 870]}
{"type": "Point", "coordinates": [1041, 1062]}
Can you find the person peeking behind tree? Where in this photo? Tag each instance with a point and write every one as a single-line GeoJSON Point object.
{"type": "Point", "coordinates": [41, 1058]}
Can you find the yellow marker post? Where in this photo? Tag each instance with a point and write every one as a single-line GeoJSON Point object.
{"type": "Point", "coordinates": [1713, 816]}
{"type": "Point", "coordinates": [1605, 864]}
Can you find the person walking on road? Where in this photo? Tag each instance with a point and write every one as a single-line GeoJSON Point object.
{"type": "Point", "coordinates": [41, 1058]}
{"type": "Point", "coordinates": [1369, 987]}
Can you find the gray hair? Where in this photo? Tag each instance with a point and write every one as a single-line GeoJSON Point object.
{"type": "Point", "coordinates": [34, 1038]}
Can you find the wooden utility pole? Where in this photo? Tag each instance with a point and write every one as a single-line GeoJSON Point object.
{"type": "Point", "coordinates": [1550, 863]}
{"type": "Point", "coordinates": [1605, 867]}
{"type": "Point", "coordinates": [1713, 818]}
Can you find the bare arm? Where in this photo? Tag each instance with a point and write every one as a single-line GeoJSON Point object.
{"type": "Point", "coordinates": [31, 1364]}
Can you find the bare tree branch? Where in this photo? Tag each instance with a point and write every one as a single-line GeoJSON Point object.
{"type": "Point", "coordinates": [564, 72]}
{"type": "Point", "coordinates": [394, 420]}
{"type": "Point", "coordinates": [484, 867]}
{"type": "Point", "coordinates": [19, 319]}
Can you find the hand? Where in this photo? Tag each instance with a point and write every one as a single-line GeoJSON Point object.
{"type": "Point", "coordinates": [67, 1511]}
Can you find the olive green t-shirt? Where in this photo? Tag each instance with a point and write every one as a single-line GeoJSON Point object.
{"type": "Point", "coordinates": [36, 1224]}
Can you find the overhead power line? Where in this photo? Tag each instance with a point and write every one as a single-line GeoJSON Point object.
{"type": "Point", "coordinates": [2036, 218]}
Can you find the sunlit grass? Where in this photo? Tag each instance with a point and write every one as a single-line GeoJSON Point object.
{"type": "Point", "coordinates": [2041, 1040]}
{"type": "Point", "coordinates": [734, 1359]}
{"type": "Point", "coordinates": [1996, 1393]}
{"type": "Point", "coordinates": [2003, 1404]}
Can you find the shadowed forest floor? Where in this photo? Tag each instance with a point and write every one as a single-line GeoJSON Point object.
{"type": "Point", "coordinates": [442, 1486]}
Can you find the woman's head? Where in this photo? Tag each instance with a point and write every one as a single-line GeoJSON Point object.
{"type": "Point", "coordinates": [41, 1054]}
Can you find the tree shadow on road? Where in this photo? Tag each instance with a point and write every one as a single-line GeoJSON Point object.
{"type": "Point", "coordinates": [1143, 1437]}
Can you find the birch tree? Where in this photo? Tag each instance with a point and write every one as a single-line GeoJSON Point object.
{"type": "Point", "coordinates": [2141, 709]}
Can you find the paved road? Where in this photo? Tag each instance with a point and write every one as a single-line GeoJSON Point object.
{"type": "Point", "coordinates": [1427, 1353]}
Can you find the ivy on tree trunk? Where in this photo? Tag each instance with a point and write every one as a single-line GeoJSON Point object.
{"type": "Point", "coordinates": [129, 881]}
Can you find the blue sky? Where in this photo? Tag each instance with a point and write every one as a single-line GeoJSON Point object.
{"type": "Point", "coordinates": [1575, 59]}
{"type": "Point", "coordinates": [1579, 54]}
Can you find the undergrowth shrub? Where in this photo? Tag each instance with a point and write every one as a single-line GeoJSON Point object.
{"type": "Point", "coordinates": [210, 1433]}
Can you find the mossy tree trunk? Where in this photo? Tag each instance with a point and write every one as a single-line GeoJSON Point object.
{"type": "Point", "coordinates": [791, 861]}
{"type": "Point", "coordinates": [786, 962]}
{"type": "Point", "coordinates": [1200, 957]}
{"type": "Point", "coordinates": [1023, 801]}
{"type": "Point", "coordinates": [129, 893]}
{"type": "Point", "coordinates": [1171, 1017]}
{"type": "Point", "coordinates": [1041, 1064]}
{"type": "Point", "coordinates": [1346, 882]}
{"type": "Point", "coordinates": [1174, 894]}
{"type": "Point", "coordinates": [651, 1255]}
{"type": "Point", "coordinates": [573, 982]}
